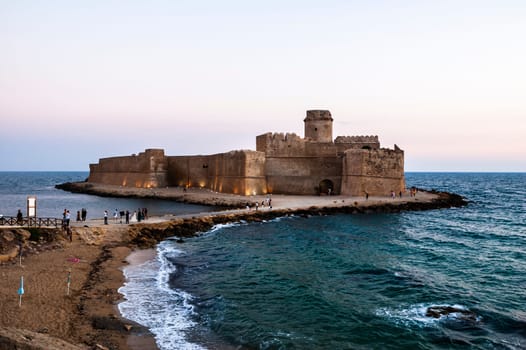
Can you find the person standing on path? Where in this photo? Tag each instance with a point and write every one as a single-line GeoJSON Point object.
{"type": "Point", "coordinates": [68, 218]}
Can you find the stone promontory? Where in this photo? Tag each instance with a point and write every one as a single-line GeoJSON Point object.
{"type": "Point", "coordinates": [234, 208]}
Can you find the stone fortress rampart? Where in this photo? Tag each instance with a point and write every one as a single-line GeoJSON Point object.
{"type": "Point", "coordinates": [146, 169]}
{"type": "Point", "coordinates": [282, 163]}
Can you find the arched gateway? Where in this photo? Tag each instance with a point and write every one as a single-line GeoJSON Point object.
{"type": "Point", "coordinates": [326, 187]}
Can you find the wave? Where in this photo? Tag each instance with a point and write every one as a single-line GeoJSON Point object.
{"type": "Point", "coordinates": [150, 302]}
{"type": "Point", "coordinates": [220, 227]}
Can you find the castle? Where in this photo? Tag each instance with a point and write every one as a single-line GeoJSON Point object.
{"type": "Point", "coordinates": [281, 164]}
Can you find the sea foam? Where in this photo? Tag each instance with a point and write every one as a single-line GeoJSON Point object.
{"type": "Point", "coordinates": [415, 315]}
{"type": "Point", "coordinates": [150, 302]}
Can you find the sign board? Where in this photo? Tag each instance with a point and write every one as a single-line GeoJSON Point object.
{"type": "Point", "coordinates": [31, 207]}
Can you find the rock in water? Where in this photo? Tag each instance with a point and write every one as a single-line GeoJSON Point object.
{"type": "Point", "coordinates": [439, 311]}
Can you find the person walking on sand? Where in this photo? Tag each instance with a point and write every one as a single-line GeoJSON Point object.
{"type": "Point", "coordinates": [105, 217]}
{"type": "Point", "coordinates": [127, 216]}
{"type": "Point", "coordinates": [115, 215]}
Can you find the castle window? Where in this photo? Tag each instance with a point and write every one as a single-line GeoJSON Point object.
{"type": "Point", "coordinates": [315, 129]}
{"type": "Point", "coordinates": [366, 147]}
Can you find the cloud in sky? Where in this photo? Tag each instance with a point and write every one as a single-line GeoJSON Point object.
{"type": "Point", "coordinates": [83, 80]}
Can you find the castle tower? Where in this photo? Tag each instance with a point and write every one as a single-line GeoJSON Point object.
{"type": "Point", "coordinates": [318, 126]}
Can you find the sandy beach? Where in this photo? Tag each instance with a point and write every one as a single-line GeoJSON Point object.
{"type": "Point", "coordinates": [88, 317]}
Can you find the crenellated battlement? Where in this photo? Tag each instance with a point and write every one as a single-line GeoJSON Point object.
{"type": "Point", "coordinates": [284, 137]}
{"type": "Point", "coordinates": [357, 139]}
{"type": "Point", "coordinates": [278, 143]}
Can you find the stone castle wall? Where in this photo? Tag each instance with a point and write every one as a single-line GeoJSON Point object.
{"type": "Point", "coordinates": [344, 143]}
{"type": "Point", "coordinates": [303, 175]}
{"type": "Point", "coordinates": [377, 172]}
{"type": "Point", "coordinates": [147, 169]}
{"type": "Point", "coordinates": [238, 172]}
{"type": "Point", "coordinates": [280, 144]}
{"type": "Point", "coordinates": [291, 145]}
{"type": "Point", "coordinates": [297, 166]}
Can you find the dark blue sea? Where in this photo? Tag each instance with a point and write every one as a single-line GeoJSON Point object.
{"type": "Point", "coordinates": [331, 282]}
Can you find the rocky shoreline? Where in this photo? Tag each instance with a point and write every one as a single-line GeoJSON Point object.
{"type": "Point", "coordinates": [148, 235]}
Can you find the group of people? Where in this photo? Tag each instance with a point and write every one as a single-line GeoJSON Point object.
{"type": "Point", "coordinates": [118, 216]}
{"type": "Point", "coordinates": [66, 217]}
{"type": "Point", "coordinates": [82, 214]}
{"type": "Point", "coordinates": [412, 193]}
{"type": "Point", "coordinates": [266, 202]}
{"type": "Point", "coordinates": [393, 194]}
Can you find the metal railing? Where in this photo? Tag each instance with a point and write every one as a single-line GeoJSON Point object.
{"type": "Point", "coordinates": [29, 222]}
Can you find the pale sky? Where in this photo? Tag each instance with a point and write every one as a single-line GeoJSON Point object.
{"type": "Point", "coordinates": [83, 80]}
